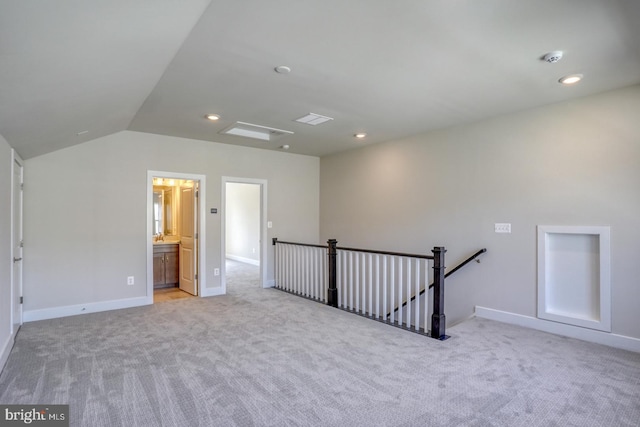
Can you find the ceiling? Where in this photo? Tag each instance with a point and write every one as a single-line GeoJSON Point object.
{"type": "Point", "coordinates": [76, 70]}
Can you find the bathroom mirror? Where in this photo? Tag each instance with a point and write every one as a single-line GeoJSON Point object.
{"type": "Point", "coordinates": [163, 210]}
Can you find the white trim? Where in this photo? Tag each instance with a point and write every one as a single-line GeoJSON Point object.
{"type": "Point", "coordinates": [271, 283]}
{"type": "Point", "coordinates": [600, 320]}
{"type": "Point", "coordinates": [202, 229]}
{"type": "Point", "coordinates": [263, 228]}
{"type": "Point", "coordinates": [92, 307]}
{"type": "Point", "coordinates": [15, 158]}
{"type": "Point", "coordinates": [591, 335]}
{"type": "Point", "coordinates": [243, 259]}
{"type": "Point", "coordinates": [6, 351]}
{"type": "Point", "coordinates": [212, 292]}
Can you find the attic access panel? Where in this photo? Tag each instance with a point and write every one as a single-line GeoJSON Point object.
{"type": "Point", "coordinates": [249, 130]}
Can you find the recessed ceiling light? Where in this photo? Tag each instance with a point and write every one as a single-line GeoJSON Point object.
{"type": "Point", "coordinates": [212, 117]}
{"type": "Point", "coordinates": [285, 146]}
{"type": "Point", "coordinates": [283, 69]}
{"type": "Point", "coordinates": [82, 132]}
{"type": "Point", "coordinates": [360, 135]}
{"type": "Point", "coordinates": [571, 79]}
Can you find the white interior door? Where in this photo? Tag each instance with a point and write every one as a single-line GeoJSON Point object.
{"type": "Point", "coordinates": [188, 239]}
{"type": "Point", "coordinates": [16, 244]}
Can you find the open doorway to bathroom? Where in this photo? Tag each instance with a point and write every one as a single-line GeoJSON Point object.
{"type": "Point", "coordinates": [174, 261]}
{"type": "Point", "coordinates": [244, 241]}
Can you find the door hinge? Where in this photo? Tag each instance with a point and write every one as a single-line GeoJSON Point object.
{"type": "Point", "coordinates": [196, 236]}
{"type": "Point", "coordinates": [22, 186]}
{"type": "Point", "coordinates": [21, 300]}
{"type": "Point", "coordinates": [22, 243]}
{"type": "Point", "coordinates": [196, 277]}
{"type": "Point", "coordinates": [197, 193]}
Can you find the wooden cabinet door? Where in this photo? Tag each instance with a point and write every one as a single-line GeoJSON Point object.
{"type": "Point", "coordinates": [158, 269]}
{"type": "Point", "coordinates": [171, 267]}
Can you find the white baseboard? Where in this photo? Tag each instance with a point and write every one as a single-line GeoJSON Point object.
{"type": "Point", "coordinates": [6, 350]}
{"type": "Point", "coordinates": [93, 307]}
{"type": "Point", "coordinates": [212, 292]}
{"type": "Point", "coordinates": [243, 259]}
{"type": "Point", "coordinates": [591, 335]}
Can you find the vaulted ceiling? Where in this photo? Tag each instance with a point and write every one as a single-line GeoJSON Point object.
{"type": "Point", "coordinates": [76, 70]}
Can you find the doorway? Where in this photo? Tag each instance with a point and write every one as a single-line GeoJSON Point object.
{"type": "Point", "coordinates": [244, 233]}
{"type": "Point", "coordinates": [175, 236]}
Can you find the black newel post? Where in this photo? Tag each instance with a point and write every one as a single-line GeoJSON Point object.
{"type": "Point", "coordinates": [438, 319]}
{"type": "Point", "coordinates": [275, 262]}
{"type": "Point", "coordinates": [332, 293]}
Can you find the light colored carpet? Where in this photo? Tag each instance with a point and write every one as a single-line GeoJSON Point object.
{"type": "Point", "coordinates": [241, 277]}
{"type": "Point", "coordinates": [262, 357]}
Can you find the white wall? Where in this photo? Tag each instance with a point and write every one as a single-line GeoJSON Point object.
{"type": "Point", "coordinates": [574, 163]}
{"type": "Point", "coordinates": [86, 213]}
{"type": "Point", "coordinates": [242, 236]}
{"type": "Point", "coordinates": [6, 337]}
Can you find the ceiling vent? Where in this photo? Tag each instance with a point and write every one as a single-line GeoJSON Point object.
{"type": "Point", "coordinates": [249, 130]}
{"type": "Point", "coordinates": [313, 119]}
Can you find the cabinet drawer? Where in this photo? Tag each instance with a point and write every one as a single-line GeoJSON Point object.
{"type": "Point", "coordinates": [159, 249]}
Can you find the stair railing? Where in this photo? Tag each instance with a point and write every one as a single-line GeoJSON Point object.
{"type": "Point", "coordinates": [449, 273]}
{"type": "Point", "coordinates": [346, 281]}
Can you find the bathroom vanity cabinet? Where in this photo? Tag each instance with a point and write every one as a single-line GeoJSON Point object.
{"type": "Point", "coordinates": [165, 265]}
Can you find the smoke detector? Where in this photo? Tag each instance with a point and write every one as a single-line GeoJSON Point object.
{"type": "Point", "coordinates": [553, 57]}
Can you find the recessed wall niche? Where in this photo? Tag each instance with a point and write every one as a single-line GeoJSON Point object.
{"type": "Point", "coordinates": [574, 272]}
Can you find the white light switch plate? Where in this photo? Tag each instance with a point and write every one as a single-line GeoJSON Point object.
{"type": "Point", "coordinates": [502, 227]}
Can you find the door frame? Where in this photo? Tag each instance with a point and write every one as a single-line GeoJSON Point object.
{"type": "Point", "coordinates": [263, 228]}
{"type": "Point", "coordinates": [16, 287]}
{"type": "Point", "coordinates": [201, 226]}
